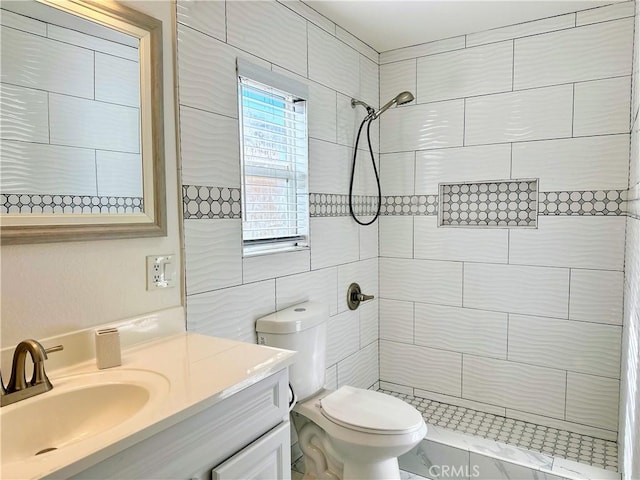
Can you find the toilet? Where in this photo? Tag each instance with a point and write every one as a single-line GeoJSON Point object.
{"type": "Point", "coordinates": [350, 433]}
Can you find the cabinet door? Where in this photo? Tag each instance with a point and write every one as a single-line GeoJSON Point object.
{"type": "Point", "coordinates": [268, 458]}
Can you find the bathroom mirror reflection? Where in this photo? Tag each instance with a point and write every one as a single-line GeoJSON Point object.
{"type": "Point", "coordinates": [81, 136]}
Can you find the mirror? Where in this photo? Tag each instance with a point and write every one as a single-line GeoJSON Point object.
{"type": "Point", "coordinates": [81, 122]}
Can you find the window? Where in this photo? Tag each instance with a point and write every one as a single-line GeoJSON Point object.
{"type": "Point", "coordinates": [274, 162]}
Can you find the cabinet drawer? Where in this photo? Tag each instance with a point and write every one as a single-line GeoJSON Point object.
{"type": "Point", "coordinates": [268, 458]}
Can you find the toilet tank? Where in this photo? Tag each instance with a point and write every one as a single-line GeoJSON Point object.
{"type": "Point", "coordinates": [302, 328]}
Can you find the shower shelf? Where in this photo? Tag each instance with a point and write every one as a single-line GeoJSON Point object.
{"type": "Point", "coordinates": [489, 204]}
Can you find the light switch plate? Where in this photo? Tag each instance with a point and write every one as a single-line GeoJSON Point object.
{"type": "Point", "coordinates": [161, 272]}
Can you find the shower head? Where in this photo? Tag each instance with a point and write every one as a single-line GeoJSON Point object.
{"type": "Point", "coordinates": [400, 99]}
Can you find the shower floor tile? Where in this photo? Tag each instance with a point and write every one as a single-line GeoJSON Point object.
{"type": "Point", "coordinates": [538, 438]}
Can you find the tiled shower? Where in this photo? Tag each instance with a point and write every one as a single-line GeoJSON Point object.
{"type": "Point", "coordinates": [524, 320]}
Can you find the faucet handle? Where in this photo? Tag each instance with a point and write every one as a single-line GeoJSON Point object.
{"type": "Point", "coordinates": [57, 348]}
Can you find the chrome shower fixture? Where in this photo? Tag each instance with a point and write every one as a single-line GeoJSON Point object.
{"type": "Point", "coordinates": [400, 99]}
{"type": "Point", "coordinates": [370, 109]}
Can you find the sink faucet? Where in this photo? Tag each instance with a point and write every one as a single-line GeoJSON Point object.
{"type": "Point", "coordinates": [18, 388]}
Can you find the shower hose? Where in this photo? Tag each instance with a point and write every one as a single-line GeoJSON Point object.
{"type": "Point", "coordinates": [368, 119]}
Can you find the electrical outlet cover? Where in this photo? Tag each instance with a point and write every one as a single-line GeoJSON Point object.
{"type": "Point", "coordinates": [161, 271]}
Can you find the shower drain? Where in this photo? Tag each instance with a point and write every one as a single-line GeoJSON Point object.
{"type": "Point", "coordinates": [45, 450]}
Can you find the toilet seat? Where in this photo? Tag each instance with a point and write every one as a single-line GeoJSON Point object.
{"type": "Point", "coordinates": [370, 412]}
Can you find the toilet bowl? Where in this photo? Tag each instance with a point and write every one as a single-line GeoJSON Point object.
{"type": "Point", "coordinates": [354, 433]}
{"type": "Point", "coordinates": [350, 433]}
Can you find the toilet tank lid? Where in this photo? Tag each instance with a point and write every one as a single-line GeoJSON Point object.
{"type": "Point", "coordinates": [293, 319]}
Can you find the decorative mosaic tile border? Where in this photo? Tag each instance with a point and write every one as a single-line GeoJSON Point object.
{"type": "Point", "coordinates": [512, 203]}
{"type": "Point", "coordinates": [478, 204]}
{"type": "Point", "coordinates": [588, 202]}
{"type": "Point", "coordinates": [539, 438]}
{"type": "Point", "coordinates": [65, 204]}
{"type": "Point", "coordinates": [337, 205]}
{"type": "Point", "coordinates": [210, 202]}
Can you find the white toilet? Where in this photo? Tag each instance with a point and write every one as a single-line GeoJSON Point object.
{"type": "Point", "coordinates": [350, 433]}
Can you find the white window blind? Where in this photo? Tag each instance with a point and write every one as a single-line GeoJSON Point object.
{"type": "Point", "coordinates": [275, 196]}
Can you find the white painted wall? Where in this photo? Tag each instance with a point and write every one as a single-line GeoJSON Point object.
{"type": "Point", "coordinates": [49, 289]}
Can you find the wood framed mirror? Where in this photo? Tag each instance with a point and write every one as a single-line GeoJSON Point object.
{"type": "Point", "coordinates": [81, 122]}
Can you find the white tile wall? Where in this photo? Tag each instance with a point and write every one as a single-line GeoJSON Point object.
{"type": "Point", "coordinates": [117, 80]}
{"type": "Point", "coordinates": [213, 254]}
{"type": "Point", "coordinates": [314, 286]}
{"type": "Point", "coordinates": [119, 174]}
{"type": "Point", "coordinates": [369, 90]}
{"type": "Point", "coordinates": [431, 48]}
{"type": "Point", "coordinates": [588, 163]}
{"type": "Point", "coordinates": [333, 241]}
{"type": "Point", "coordinates": [544, 387]}
{"type": "Point", "coordinates": [325, 159]}
{"type": "Point", "coordinates": [396, 236]}
{"type": "Point", "coordinates": [420, 127]}
{"type": "Point", "coordinates": [206, 17]}
{"type": "Point", "coordinates": [322, 114]}
{"type": "Point", "coordinates": [580, 242]}
{"type": "Point", "coordinates": [603, 14]}
{"type": "Point", "coordinates": [126, 45]}
{"type": "Point", "coordinates": [396, 321]}
{"type": "Point", "coordinates": [262, 267]}
{"type": "Point", "coordinates": [331, 62]}
{"type": "Point", "coordinates": [517, 289]}
{"type": "Point", "coordinates": [464, 245]}
{"type": "Point", "coordinates": [208, 138]}
{"type": "Point", "coordinates": [348, 122]}
{"type": "Point", "coordinates": [360, 370]}
{"type": "Point", "coordinates": [368, 241]}
{"type": "Point", "coordinates": [461, 330]}
{"type": "Point", "coordinates": [602, 107]}
{"type": "Point", "coordinates": [24, 114]}
{"type": "Point", "coordinates": [311, 15]}
{"type": "Point", "coordinates": [356, 44]}
{"type": "Point", "coordinates": [593, 400]}
{"type": "Point", "coordinates": [596, 296]}
{"type": "Point", "coordinates": [537, 114]}
{"type": "Point", "coordinates": [397, 77]}
{"type": "Point", "coordinates": [227, 313]}
{"type": "Point", "coordinates": [369, 323]}
{"type": "Point", "coordinates": [84, 123]}
{"type": "Point", "coordinates": [20, 22]}
{"type": "Point", "coordinates": [343, 336]}
{"type": "Point", "coordinates": [461, 164]}
{"type": "Point", "coordinates": [465, 73]}
{"type": "Point", "coordinates": [585, 53]}
{"type": "Point", "coordinates": [440, 371]}
{"type": "Point", "coordinates": [50, 168]}
{"type": "Point", "coordinates": [53, 66]}
{"type": "Point", "coordinates": [565, 344]}
{"type": "Point", "coordinates": [559, 22]}
{"type": "Point", "coordinates": [397, 173]}
{"type": "Point", "coordinates": [249, 23]}
{"type": "Point", "coordinates": [421, 281]}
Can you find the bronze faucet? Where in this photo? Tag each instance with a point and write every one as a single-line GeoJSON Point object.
{"type": "Point", "coordinates": [18, 388]}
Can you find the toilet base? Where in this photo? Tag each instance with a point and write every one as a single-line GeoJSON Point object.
{"type": "Point", "coordinates": [387, 469]}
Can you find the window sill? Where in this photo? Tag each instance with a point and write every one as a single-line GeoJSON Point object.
{"type": "Point", "coordinates": [259, 250]}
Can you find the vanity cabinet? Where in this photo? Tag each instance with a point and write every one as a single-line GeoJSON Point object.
{"type": "Point", "coordinates": [245, 436]}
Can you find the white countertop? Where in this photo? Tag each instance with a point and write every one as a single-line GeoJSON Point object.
{"type": "Point", "coordinates": [200, 371]}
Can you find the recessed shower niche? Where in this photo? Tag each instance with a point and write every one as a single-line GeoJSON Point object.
{"type": "Point", "coordinates": [492, 203]}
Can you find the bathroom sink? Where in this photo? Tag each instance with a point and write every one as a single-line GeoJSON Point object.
{"type": "Point", "coordinates": [79, 407]}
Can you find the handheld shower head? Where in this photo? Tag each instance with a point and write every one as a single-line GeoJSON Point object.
{"type": "Point", "coordinates": [400, 99]}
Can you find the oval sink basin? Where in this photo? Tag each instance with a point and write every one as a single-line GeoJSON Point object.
{"type": "Point", "coordinates": [77, 408]}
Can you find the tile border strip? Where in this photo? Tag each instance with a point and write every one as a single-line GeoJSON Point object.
{"type": "Point", "coordinates": [57, 204]}
{"type": "Point", "coordinates": [205, 202]}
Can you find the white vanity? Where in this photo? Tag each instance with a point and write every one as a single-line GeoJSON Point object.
{"type": "Point", "coordinates": [210, 408]}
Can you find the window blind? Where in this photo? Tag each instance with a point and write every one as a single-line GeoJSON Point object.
{"type": "Point", "coordinates": [275, 200]}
